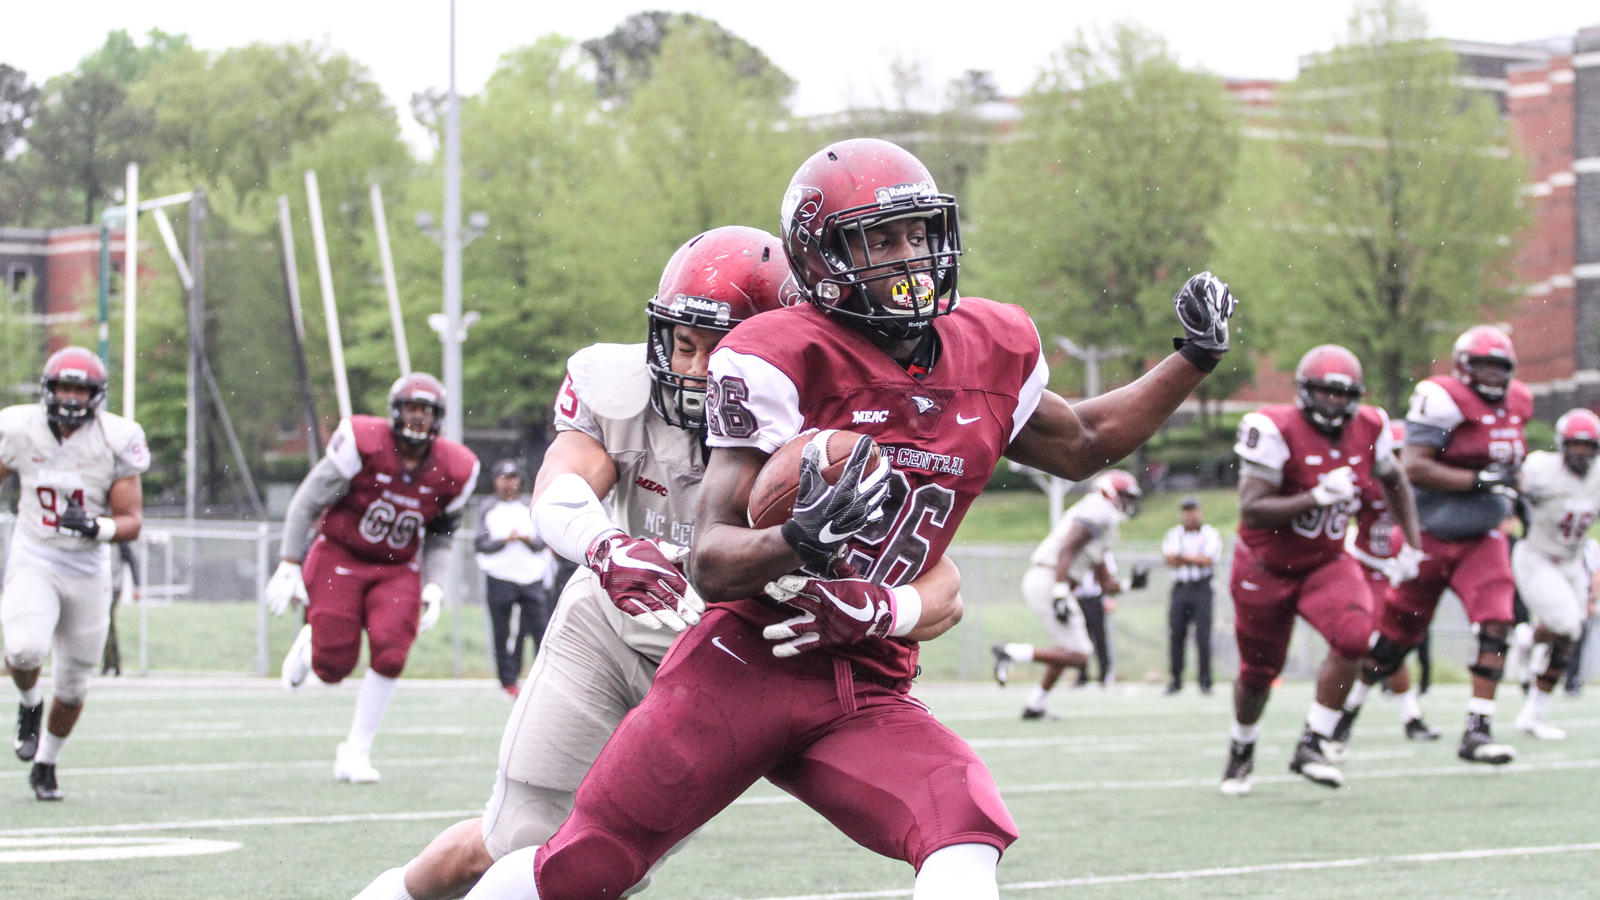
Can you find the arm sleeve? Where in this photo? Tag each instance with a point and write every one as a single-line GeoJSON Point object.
{"type": "Point", "coordinates": [322, 488]}
{"type": "Point", "coordinates": [435, 555]}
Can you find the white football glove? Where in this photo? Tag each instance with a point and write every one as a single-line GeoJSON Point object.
{"type": "Point", "coordinates": [1403, 566]}
{"type": "Point", "coordinates": [432, 606]}
{"type": "Point", "coordinates": [286, 588]}
{"type": "Point", "coordinates": [1334, 487]}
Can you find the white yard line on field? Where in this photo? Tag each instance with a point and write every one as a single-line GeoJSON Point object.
{"type": "Point", "coordinates": [1227, 871]}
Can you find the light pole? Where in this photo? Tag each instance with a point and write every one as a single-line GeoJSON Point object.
{"type": "Point", "coordinates": [452, 324]}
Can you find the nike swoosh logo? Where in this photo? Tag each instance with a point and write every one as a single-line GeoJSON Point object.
{"type": "Point", "coordinates": [620, 557]}
{"type": "Point", "coordinates": [966, 420]}
{"type": "Point", "coordinates": [717, 643]}
{"type": "Point", "coordinates": [862, 613]}
{"type": "Point", "coordinates": [1249, 585]}
{"type": "Point", "coordinates": [340, 570]}
{"type": "Point", "coordinates": [828, 536]}
{"type": "Point", "coordinates": [575, 504]}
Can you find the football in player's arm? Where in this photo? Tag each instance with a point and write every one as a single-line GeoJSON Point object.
{"type": "Point", "coordinates": [945, 385]}
{"type": "Point", "coordinates": [79, 470]}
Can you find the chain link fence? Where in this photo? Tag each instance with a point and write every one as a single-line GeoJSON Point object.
{"type": "Point", "coordinates": [213, 574]}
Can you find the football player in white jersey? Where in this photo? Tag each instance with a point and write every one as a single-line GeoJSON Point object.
{"type": "Point", "coordinates": [1560, 495]}
{"type": "Point", "coordinates": [630, 423]}
{"type": "Point", "coordinates": [1071, 556]}
{"type": "Point", "coordinates": [78, 467]}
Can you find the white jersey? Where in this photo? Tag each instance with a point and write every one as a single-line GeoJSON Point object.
{"type": "Point", "coordinates": [659, 466]}
{"type": "Point", "coordinates": [1561, 506]}
{"type": "Point", "coordinates": [1095, 513]}
{"type": "Point", "coordinates": [82, 468]}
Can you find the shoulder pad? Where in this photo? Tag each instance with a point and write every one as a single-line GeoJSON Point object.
{"type": "Point", "coordinates": [611, 379]}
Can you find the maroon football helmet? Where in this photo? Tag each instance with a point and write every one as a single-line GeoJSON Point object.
{"type": "Point", "coordinates": [1121, 489]}
{"type": "Point", "coordinates": [418, 387]}
{"type": "Point", "coordinates": [845, 189]}
{"type": "Point", "coordinates": [1578, 427]}
{"type": "Point", "coordinates": [1331, 368]}
{"type": "Point", "coordinates": [715, 281]}
{"type": "Point", "coordinates": [1480, 344]}
{"type": "Point", "coordinates": [72, 365]}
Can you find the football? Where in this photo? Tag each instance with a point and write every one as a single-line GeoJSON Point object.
{"type": "Point", "coordinates": [772, 496]}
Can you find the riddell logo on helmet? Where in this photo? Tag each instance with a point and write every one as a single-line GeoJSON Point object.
{"type": "Point", "coordinates": [700, 306]}
{"type": "Point", "coordinates": [889, 196]}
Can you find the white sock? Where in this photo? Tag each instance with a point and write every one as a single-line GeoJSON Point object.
{"type": "Point", "coordinates": [958, 872]}
{"type": "Point", "coordinates": [49, 747]}
{"type": "Point", "coordinates": [1019, 652]}
{"type": "Point", "coordinates": [371, 703]}
{"type": "Point", "coordinates": [511, 878]}
{"type": "Point", "coordinates": [391, 885]}
{"type": "Point", "coordinates": [1480, 706]}
{"type": "Point", "coordinates": [33, 696]}
{"type": "Point", "coordinates": [1322, 719]}
{"type": "Point", "coordinates": [1358, 695]}
{"type": "Point", "coordinates": [1410, 708]}
{"type": "Point", "coordinates": [1036, 700]}
{"type": "Point", "coordinates": [1538, 702]}
{"type": "Point", "coordinates": [1244, 734]}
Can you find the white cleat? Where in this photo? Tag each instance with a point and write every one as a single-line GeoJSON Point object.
{"type": "Point", "coordinates": [1540, 729]}
{"type": "Point", "coordinates": [354, 766]}
{"type": "Point", "coordinates": [297, 662]}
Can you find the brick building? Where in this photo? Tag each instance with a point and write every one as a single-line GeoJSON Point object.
{"type": "Point", "coordinates": [1549, 91]}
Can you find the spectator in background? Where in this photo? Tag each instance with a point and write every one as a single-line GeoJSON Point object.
{"type": "Point", "coordinates": [519, 571]}
{"type": "Point", "coordinates": [1191, 551]}
{"type": "Point", "coordinates": [125, 568]}
{"type": "Point", "coordinates": [1095, 606]}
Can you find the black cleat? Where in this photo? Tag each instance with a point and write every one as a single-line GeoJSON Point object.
{"type": "Point", "coordinates": [27, 741]}
{"type": "Point", "coordinates": [1418, 730]}
{"type": "Point", "coordinates": [1478, 745]}
{"type": "Point", "coordinates": [1045, 714]}
{"type": "Point", "coordinates": [1002, 664]}
{"type": "Point", "coordinates": [1241, 762]}
{"type": "Point", "coordinates": [43, 781]}
{"type": "Point", "coordinates": [1310, 762]}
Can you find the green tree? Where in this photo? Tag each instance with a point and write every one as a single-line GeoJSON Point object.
{"type": "Point", "coordinates": [85, 134]}
{"type": "Point", "coordinates": [1382, 206]}
{"type": "Point", "coordinates": [1102, 204]}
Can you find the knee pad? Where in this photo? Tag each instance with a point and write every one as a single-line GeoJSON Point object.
{"type": "Point", "coordinates": [389, 661]}
{"type": "Point", "coordinates": [592, 864]}
{"type": "Point", "coordinates": [1491, 641]}
{"type": "Point", "coordinates": [1384, 658]}
{"type": "Point", "coordinates": [26, 659]}
{"type": "Point", "coordinates": [331, 671]}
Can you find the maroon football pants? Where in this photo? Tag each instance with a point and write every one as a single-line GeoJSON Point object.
{"type": "Point", "coordinates": [346, 596]}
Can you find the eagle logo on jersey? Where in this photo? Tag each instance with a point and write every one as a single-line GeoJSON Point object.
{"type": "Point", "coordinates": [925, 405]}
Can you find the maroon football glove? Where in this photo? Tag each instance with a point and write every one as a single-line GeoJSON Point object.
{"type": "Point", "coordinates": [644, 582]}
{"type": "Point", "coordinates": [834, 612]}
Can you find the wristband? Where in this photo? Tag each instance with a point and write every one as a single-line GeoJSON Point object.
{"type": "Point", "coordinates": [108, 529]}
{"type": "Point", "coordinates": [1060, 590]}
{"type": "Point", "coordinates": [907, 610]}
{"type": "Point", "coordinates": [1200, 359]}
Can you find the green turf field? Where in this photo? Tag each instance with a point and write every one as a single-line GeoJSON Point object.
{"type": "Point", "coordinates": [224, 789]}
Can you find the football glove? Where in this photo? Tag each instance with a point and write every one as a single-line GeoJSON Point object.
{"type": "Point", "coordinates": [1496, 478]}
{"type": "Point", "coordinates": [1060, 591]}
{"type": "Point", "coordinates": [1140, 578]}
{"type": "Point", "coordinates": [432, 606]}
{"type": "Point", "coordinates": [826, 515]}
{"type": "Point", "coordinates": [644, 581]}
{"type": "Point", "coordinates": [1204, 306]}
{"type": "Point", "coordinates": [74, 518]}
{"type": "Point", "coordinates": [1335, 487]}
{"type": "Point", "coordinates": [286, 587]}
{"type": "Point", "coordinates": [833, 613]}
{"type": "Point", "coordinates": [1403, 566]}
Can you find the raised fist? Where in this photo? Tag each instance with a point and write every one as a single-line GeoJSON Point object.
{"type": "Point", "coordinates": [1204, 306]}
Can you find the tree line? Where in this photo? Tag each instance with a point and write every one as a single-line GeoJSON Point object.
{"type": "Point", "coordinates": [1370, 206]}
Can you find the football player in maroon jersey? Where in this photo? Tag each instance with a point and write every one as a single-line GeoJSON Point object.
{"type": "Point", "coordinates": [385, 489]}
{"type": "Point", "coordinates": [1464, 445]}
{"type": "Point", "coordinates": [945, 385]}
{"type": "Point", "coordinates": [1300, 469]}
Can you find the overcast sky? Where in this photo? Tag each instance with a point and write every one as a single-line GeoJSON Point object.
{"type": "Point", "coordinates": [837, 50]}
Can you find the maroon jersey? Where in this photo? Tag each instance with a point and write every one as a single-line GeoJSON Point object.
{"type": "Point", "coordinates": [1469, 432]}
{"type": "Point", "coordinates": [1378, 535]}
{"type": "Point", "coordinates": [778, 374]}
{"type": "Point", "coordinates": [1279, 439]}
{"type": "Point", "coordinates": [382, 517]}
